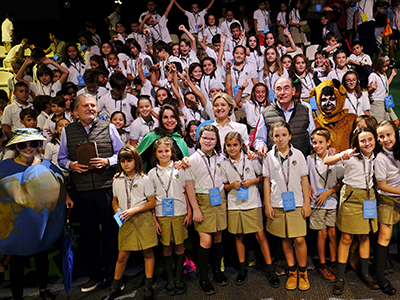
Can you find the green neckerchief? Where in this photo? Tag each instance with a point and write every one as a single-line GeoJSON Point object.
{"type": "Point", "coordinates": [283, 158]}
{"type": "Point", "coordinates": [151, 137]}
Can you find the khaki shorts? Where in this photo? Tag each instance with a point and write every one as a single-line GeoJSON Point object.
{"type": "Point", "coordinates": [388, 210]}
{"type": "Point", "coordinates": [138, 233]}
{"type": "Point", "coordinates": [287, 224]}
{"type": "Point", "coordinates": [321, 218]}
{"type": "Point", "coordinates": [172, 230]}
{"type": "Point", "coordinates": [214, 217]}
{"type": "Point", "coordinates": [245, 221]}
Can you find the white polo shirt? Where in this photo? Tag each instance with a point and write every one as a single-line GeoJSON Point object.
{"type": "Point", "coordinates": [114, 19]}
{"type": "Point", "coordinates": [41, 119]}
{"type": "Point", "coordinates": [387, 168]}
{"type": "Point", "coordinates": [202, 167]}
{"type": "Point", "coordinates": [255, 60]}
{"type": "Point", "coordinates": [47, 90]}
{"type": "Point", "coordinates": [209, 33]}
{"type": "Point", "coordinates": [132, 65]}
{"type": "Point", "coordinates": [76, 69]}
{"type": "Point", "coordinates": [383, 86]}
{"type": "Point", "coordinates": [239, 77]}
{"type": "Point", "coordinates": [253, 112]}
{"type": "Point", "coordinates": [273, 169]}
{"type": "Point", "coordinates": [232, 126]}
{"type": "Point", "coordinates": [295, 16]}
{"type": "Point", "coordinates": [141, 39]}
{"type": "Point", "coordinates": [176, 189]}
{"type": "Point", "coordinates": [101, 91]}
{"type": "Point", "coordinates": [307, 84]}
{"type": "Point", "coordinates": [324, 177]}
{"type": "Point", "coordinates": [139, 187]}
{"type": "Point", "coordinates": [365, 59]}
{"type": "Point", "coordinates": [250, 170]}
{"type": "Point", "coordinates": [191, 58]}
{"type": "Point", "coordinates": [121, 38]}
{"type": "Point", "coordinates": [357, 105]}
{"type": "Point", "coordinates": [11, 115]}
{"type": "Point", "coordinates": [6, 29]}
{"type": "Point", "coordinates": [354, 174]}
{"type": "Point", "coordinates": [282, 18]}
{"type": "Point", "coordinates": [337, 73]}
{"type": "Point", "coordinates": [160, 31]}
{"type": "Point", "coordinates": [272, 77]}
{"type": "Point", "coordinates": [365, 7]}
{"type": "Point", "coordinates": [262, 17]}
{"type": "Point", "coordinates": [139, 128]}
{"type": "Point", "coordinates": [226, 27]}
{"type": "Point", "coordinates": [195, 19]}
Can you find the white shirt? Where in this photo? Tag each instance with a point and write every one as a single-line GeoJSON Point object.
{"type": "Point", "coordinates": [114, 19]}
{"type": "Point", "coordinates": [307, 84]}
{"type": "Point", "coordinates": [11, 115]}
{"type": "Point", "coordinates": [387, 169]}
{"type": "Point", "coordinates": [41, 119]}
{"type": "Point", "coordinates": [191, 58]}
{"type": "Point", "coordinates": [282, 18]}
{"type": "Point", "coordinates": [365, 59]}
{"type": "Point", "coordinates": [75, 69]}
{"type": "Point", "coordinates": [255, 60]}
{"type": "Point", "coordinates": [357, 105]}
{"type": "Point", "coordinates": [202, 167]}
{"type": "Point", "coordinates": [251, 170]}
{"type": "Point", "coordinates": [121, 38]}
{"type": "Point", "coordinates": [232, 126]}
{"type": "Point", "coordinates": [141, 39]}
{"type": "Point", "coordinates": [253, 112]}
{"type": "Point", "coordinates": [274, 170]}
{"type": "Point", "coordinates": [354, 174]}
{"type": "Point", "coordinates": [195, 19]}
{"type": "Point", "coordinates": [89, 52]}
{"type": "Point", "coordinates": [132, 65]}
{"type": "Point", "coordinates": [176, 189]}
{"type": "Point", "coordinates": [10, 56]}
{"type": "Point", "coordinates": [383, 86]}
{"type": "Point", "coordinates": [160, 31]}
{"type": "Point", "coordinates": [48, 90]}
{"type": "Point", "coordinates": [230, 44]}
{"type": "Point", "coordinates": [239, 77]}
{"type": "Point", "coordinates": [36, 67]}
{"type": "Point", "coordinates": [337, 73]}
{"type": "Point", "coordinates": [107, 105]}
{"type": "Point", "coordinates": [191, 115]}
{"type": "Point", "coordinates": [262, 18]}
{"type": "Point", "coordinates": [206, 80]}
{"type": "Point", "coordinates": [139, 187]}
{"type": "Point", "coordinates": [324, 177]}
{"type": "Point", "coordinates": [294, 15]}
{"type": "Point", "coordinates": [272, 77]}
{"type": "Point", "coordinates": [101, 91]}
{"type": "Point", "coordinates": [226, 27]}
{"type": "Point", "coordinates": [210, 32]}
{"type": "Point", "coordinates": [365, 7]}
{"type": "Point", "coordinates": [6, 29]}
{"type": "Point", "coordinates": [139, 128]}
{"type": "Point", "coordinates": [155, 16]}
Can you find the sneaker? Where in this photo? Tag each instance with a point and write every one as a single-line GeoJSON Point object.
{"type": "Point", "coordinates": [47, 295]}
{"type": "Point", "coordinates": [304, 284]}
{"type": "Point", "coordinates": [291, 283]}
{"type": "Point", "coordinates": [206, 287]}
{"type": "Point", "coordinates": [91, 285]}
{"type": "Point", "coordinates": [326, 274]}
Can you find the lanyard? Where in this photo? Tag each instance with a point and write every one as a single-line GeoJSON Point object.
{"type": "Point", "coordinates": [216, 30]}
{"type": "Point", "coordinates": [319, 174]}
{"type": "Point", "coordinates": [238, 72]}
{"type": "Point", "coordinates": [73, 64]}
{"type": "Point", "coordinates": [158, 32]}
{"type": "Point", "coordinates": [392, 160]}
{"type": "Point", "coordinates": [338, 74]}
{"type": "Point", "coordinates": [362, 7]}
{"type": "Point", "coordinates": [256, 59]}
{"type": "Point", "coordinates": [166, 188]}
{"type": "Point", "coordinates": [234, 167]}
{"type": "Point", "coordinates": [265, 14]}
{"type": "Point", "coordinates": [354, 107]}
{"type": "Point", "coordinates": [386, 86]}
{"type": "Point", "coordinates": [149, 124]}
{"type": "Point", "coordinates": [367, 175]}
{"type": "Point", "coordinates": [306, 85]}
{"type": "Point", "coordinates": [50, 90]}
{"type": "Point", "coordinates": [286, 176]}
{"type": "Point", "coordinates": [209, 171]}
{"type": "Point", "coordinates": [270, 76]}
{"type": "Point", "coordinates": [196, 17]}
{"type": "Point", "coordinates": [129, 182]}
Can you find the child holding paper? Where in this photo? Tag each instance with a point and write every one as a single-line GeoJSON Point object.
{"type": "Point", "coordinates": [133, 199]}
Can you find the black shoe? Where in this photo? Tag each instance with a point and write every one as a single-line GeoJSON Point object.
{"type": "Point", "coordinates": [370, 282]}
{"type": "Point", "coordinates": [206, 287]}
{"type": "Point", "coordinates": [180, 287]}
{"type": "Point", "coordinates": [112, 294]}
{"type": "Point", "coordinates": [170, 287]}
{"type": "Point", "coordinates": [47, 294]}
{"type": "Point", "coordinates": [220, 278]}
{"type": "Point", "coordinates": [388, 289]}
{"type": "Point", "coordinates": [338, 287]}
{"type": "Point", "coordinates": [148, 293]}
{"type": "Point", "coordinates": [241, 277]}
{"type": "Point", "coordinates": [91, 285]}
{"type": "Point", "coordinates": [273, 279]}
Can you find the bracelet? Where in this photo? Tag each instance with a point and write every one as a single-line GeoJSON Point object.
{"type": "Point", "coordinates": [242, 88]}
{"type": "Point", "coordinates": [228, 72]}
{"type": "Point", "coordinates": [139, 63]}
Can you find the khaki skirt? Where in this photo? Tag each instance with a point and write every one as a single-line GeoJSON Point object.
{"type": "Point", "coordinates": [388, 210]}
{"type": "Point", "coordinates": [245, 221]}
{"type": "Point", "coordinates": [281, 37]}
{"type": "Point", "coordinates": [138, 233]}
{"type": "Point", "coordinates": [350, 216]}
{"type": "Point", "coordinates": [287, 224]}
{"type": "Point", "coordinates": [379, 111]}
{"type": "Point", "coordinates": [297, 35]}
{"type": "Point", "coordinates": [172, 230]}
{"type": "Point", "coordinates": [214, 217]}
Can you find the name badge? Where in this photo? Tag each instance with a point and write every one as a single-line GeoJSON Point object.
{"type": "Point", "coordinates": [266, 28]}
{"type": "Point", "coordinates": [168, 207]}
{"type": "Point", "coordinates": [313, 103]}
{"type": "Point", "coordinates": [117, 217]}
{"type": "Point", "coordinates": [81, 82]}
{"type": "Point", "coordinates": [235, 90]}
{"type": "Point", "coordinates": [389, 103]}
{"type": "Point", "coordinates": [369, 209]}
{"type": "Point", "coordinates": [145, 73]}
{"type": "Point", "coordinates": [354, 8]}
{"type": "Point", "coordinates": [197, 28]}
{"type": "Point", "coordinates": [215, 196]}
{"type": "Point", "coordinates": [259, 73]}
{"type": "Point", "coordinates": [288, 201]}
{"type": "Point", "coordinates": [318, 7]}
{"type": "Point", "coordinates": [55, 57]}
{"type": "Point", "coordinates": [319, 192]}
{"type": "Point", "coordinates": [271, 95]}
{"type": "Point", "coordinates": [364, 17]}
{"type": "Point", "coordinates": [83, 47]}
{"type": "Point", "coordinates": [242, 193]}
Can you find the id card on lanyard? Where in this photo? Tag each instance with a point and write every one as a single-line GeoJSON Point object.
{"type": "Point", "coordinates": [328, 171]}
{"type": "Point", "coordinates": [242, 193]}
{"type": "Point", "coordinates": [215, 194]}
{"type": "Point", "coordinates": [237, 78]}
{"type": "Point", "coordinates": [167, 203]}
{"type": "Point", "coordinates": [287, 197]}
{"type": "Point", "coordinates": [369, 206]}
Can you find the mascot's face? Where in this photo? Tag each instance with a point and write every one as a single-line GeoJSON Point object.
{"type": "Point", "coordinates": [328, 103]}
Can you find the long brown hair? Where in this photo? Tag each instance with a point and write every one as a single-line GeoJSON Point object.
{"type": "Point", "coordinates": [292, 70]}
{"type": "Point", "coordinates": [278, 63]}
{"type": "Point", "coordinates": [210, 128]}
{"type": "Point", "coordinates": [357, 89]}
{"type": "Point", "coordinates": [130, 152]}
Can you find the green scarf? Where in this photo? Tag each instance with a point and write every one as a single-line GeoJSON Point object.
{"type": "Point", "coordinates": [151, 137]}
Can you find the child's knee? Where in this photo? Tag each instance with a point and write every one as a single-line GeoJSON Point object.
{"type": "Point", "coordinates": [260, 236]}
{"type": "Point", "coordinates": [300, 241]}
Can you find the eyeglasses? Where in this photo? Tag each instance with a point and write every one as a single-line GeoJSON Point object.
{"type": "Point", "coordinates": [23, 145]}
{"type": "Point", "coordinates": [351, 80]}
{"type": "Point", "coordinates": [209, 139]}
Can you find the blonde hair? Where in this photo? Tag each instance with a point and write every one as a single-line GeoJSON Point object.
{"type": "Point", "coordinates": [228, 100]}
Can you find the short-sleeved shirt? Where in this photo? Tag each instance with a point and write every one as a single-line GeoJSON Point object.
{"type": "Point", "coordinates": [114, 19]}
{"type": "Point", "coordinates": [387, 168]}
{"type": "Point", "coordinates": [160, 31]}
{"type": "Point", "coordinates": [226, 27]}
{"type": "Point", "coordinates": [11, 115]}
{"type": "Point", "coordinates": [16, 49]}
{"type": "Point", "coordinates": [132, 65]}
{"type": "Point", "coordinates": [272, 77]}
{"type": "Point", "coordinates": [274, 168]}
{"type": "Point", "coordinates": [358, 171]}
{"type": "Point", "coordinates": [176, 189]}
{"type": "Point", "coordinates": [239, 77]}
{"type": "Point", "coordinates": [357, 105]}
{"type": "Point", "coordinates": [382, 89]}
{"type": "Point", "coordinates": [75, 69]}
{"type": "Point", "coordinates": [364, 59]}
{"type": "Point", "coordinates": [282, 18]}
{"type": "Point", "coordinates": [191, 58]}
{"type": "Point", "coordinates": [294, 15]}
{"type": "Point", "coordinates": [138, 186]}
{"type": "Point", "coordinates": [307, 84]}
{"type": "Point", "coordinates": [262, 17]}
{"type": "Point", "coordinates": [210, 32]}
{"type": "Point", "coordinates": [6, 28]}
{"type": "Point", "coordinates": [140, 38]}
{"type": "Point", "coordinates": [47, 90]}
{"type": "Point", "coordinates": [365, 7]}
{"type": "Point", "coordinates": [195, 19]}
{"type": "Point", "coordinates": [255, 60]}
{"type": "Point", "coordinates": [139, 128]}
{"type": "Point", "coordinates": [101, 91]}
{"type": "Point", "coordinates": [337, 73]}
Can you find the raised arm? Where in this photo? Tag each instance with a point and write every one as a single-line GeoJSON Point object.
{"type": "Point", "coordinates": [293, 46]}
{"type": "Point", "coordinates": [154, 75]}
{"type": "Point", "coordinates": [344, 155]}
{"type": "Point", "coordinates": [175, 85]}
{"type": "Point", "coordinates": [221, 50]}
{"type": "Point", "coordinates": [169, 8]}
{"type": "Point", "coordinates": [180, 8]}
{"type": "Point", "coordinates": [191, 37]}
{"type": "Point", "coordinates": [228, 79]}
{"type": "Point", "coordinates": [63, 70]}
{"type": "Point", "coordinates": [194, 88]}
{"type": "Point", "coordinates": [209, 5]}
{"type": "Point", "coordinates": [21, 72]}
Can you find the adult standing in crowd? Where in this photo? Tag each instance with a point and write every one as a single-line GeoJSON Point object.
{"type": "Point", "coordinates": [7, 32]}
{"type": "Point", "coordinates": [56, 46]}
{"type": "Point", "coordinates": [92, 188]}
{"type": "Point", "coordinates": [365, 25]}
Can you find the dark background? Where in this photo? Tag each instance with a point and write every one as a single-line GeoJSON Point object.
{"type": "Point", "coordinates": [36, 18]}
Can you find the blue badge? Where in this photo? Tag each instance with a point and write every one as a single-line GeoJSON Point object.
{"type": "Point", "coordinates": [389, 103]}
{"type": "Point", "coordinates": [83, 47]}
{"type": "Point", "coordinates": [117, 217]}
{"type": "Point", "coordinates": [266, 28]}
{"type": "Point", "coordinates": [313, 103]}
{"type": "Point", "coordinates": [145, 73]}
{"type": "Point", "coordinates": [215, 196]}
{"type": "Point", "coordinates": [81, 82]}
{"type": "Point", "coordinates": [197, 28]}
{"type": "Point", "coordinates": [354, 8]}
{"type": "Point", "coordinates": [168, 207]}
{"type": "Point", "coordinates": [271, 95]}
{"type": "Point", "coordinates": [288, 201]}
{"type": "Point", "coordinates": [235, 90]}
{"type": "Point", "coordinates": [318, 7]}
{"type": "Point", "coordinates": [319, 192]}
{"type": "Point", "coordinates": [369, 209]}
{"type": "Point", "coordinates": [260, 74]}
{"type": "Point", "coordinates": [55, 57]}
{"type": "Point", "coordinates": [242, 193]}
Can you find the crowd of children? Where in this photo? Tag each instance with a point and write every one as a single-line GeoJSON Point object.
{"type": "Point", "coordinates": [204, 97]}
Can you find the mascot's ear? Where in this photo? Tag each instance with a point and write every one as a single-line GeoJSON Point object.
{"type": "Point", "coordinates": [311, 93]}
{"type": "Point", "coordinates": [336, 83]}
{"type": "Point", "coordinates": [339, 87]}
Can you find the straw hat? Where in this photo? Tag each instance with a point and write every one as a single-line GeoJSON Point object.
{"type": "Point", "coordinates": [25, 135]}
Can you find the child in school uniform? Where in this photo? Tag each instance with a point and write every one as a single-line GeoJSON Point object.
{"type": "Point", "coordinates": [171, 218]}
{"type": "Point", "coordinates": [241, 177]}
{"type": "Point", "coordinates": [387, 164]}
{"type": "Point", "coordinates": [209, 211]}
{"type": "Point", "coordinates": [357, 201]}
{"type": "Point", "coordinates": [287, 202]}
{"type": "Point", "coordinates": [325, 183]}
{"type": "Point", "coordinates": [133, 194]}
